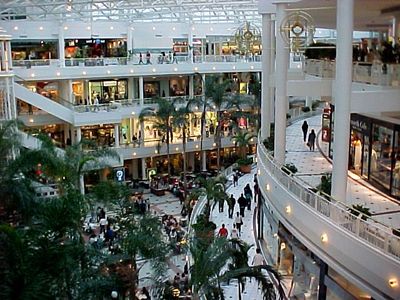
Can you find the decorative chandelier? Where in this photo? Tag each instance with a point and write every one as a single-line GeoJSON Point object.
{"type": "Point", "coordinates": [297, 30]}
{"type": "Point", "coordinates": [247, 37]}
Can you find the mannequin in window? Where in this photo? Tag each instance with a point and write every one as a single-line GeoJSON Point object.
{"type": "Point", "coordinates": [374, 163]}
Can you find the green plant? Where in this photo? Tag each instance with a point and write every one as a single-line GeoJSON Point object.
{"type": "Point", "coordinates": [269, 143]}
{"type": "Point", "coordinates": [326, 184]}
{"type": "Point", "coordinates": [314, 105]}
{"type": "Point", "coordinates": [358, 209]}
{"type": "Point", "coordinates": [306, 109]}
{"type": "Point", "coordinates": [289, 169]}
{"type": "Point", "coordinates": [244, 161]}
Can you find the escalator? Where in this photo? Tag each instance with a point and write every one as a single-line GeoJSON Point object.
{"type": "Point", "coordinates": [59, 108]}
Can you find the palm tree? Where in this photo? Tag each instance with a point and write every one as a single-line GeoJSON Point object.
{"type": "Point", "coordinates": [242, 140]}
{"type": "Point", "coordinates": [163, 120]}
{"type": "Point", "coordinates": [143, 238]}
{"type": "Point", "coordinates": [216, 92]}
{"type": "Point", "coordinates": [222, 261]}
{"type": "Point", "coordinates": [255, 102]}
{"type": "Point", "coordinates": [214, 189]}
{"type": "Point", "coordinates": [181, 120]}
{"type": "Point", "coordinates": [204, 104]}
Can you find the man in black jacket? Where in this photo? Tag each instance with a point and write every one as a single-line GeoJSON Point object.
{"type": "Point", "coordinates": [242, 204]}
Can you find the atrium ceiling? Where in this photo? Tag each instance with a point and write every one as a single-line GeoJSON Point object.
{"type": "Point", "coordinates": [369, 14]}
{"type": "Point", "coordinates": [196, 11]}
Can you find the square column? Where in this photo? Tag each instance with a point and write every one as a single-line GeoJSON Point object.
{"type": "Point", "coordinates": [141, 91]}
{"type": "Point", "coordinates": [61, 46]}
{"type": "Point", "coordinates": [116, 135]}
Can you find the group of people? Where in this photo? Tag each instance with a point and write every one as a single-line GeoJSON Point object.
{"type": "Point", "coordinates": [311, 136]}
{"type": "Point", "coordinates": [162, 58]}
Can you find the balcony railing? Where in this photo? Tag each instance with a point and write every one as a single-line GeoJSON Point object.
{"type": "Point", "coordinates": [372, 73]}
{"type": "Point", "coordinates": [374, 233]}
{"type": "Point", "coordinates": [120, 61]}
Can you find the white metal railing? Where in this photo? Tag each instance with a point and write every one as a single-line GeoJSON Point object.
{"type": "Point", "coordinates": [376, 73]}
{"type": "Point", "coordinates": [375, 233]}
{"type": "Point", "coordinates": [155, 58]}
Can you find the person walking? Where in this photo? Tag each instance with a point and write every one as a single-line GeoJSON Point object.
{"type": "Point", "coordinates": [140, 58]}
{"type": "Point", "coordinates": [221, 204]}
{"type": "Point", "coordinates": [258, 259]}
{"type": "Point", "coordinates": [148, 58]}
{"type": "Point", "coordinates": [235, 179]}
{"type": "Point", "coordinates": [238, 222]}
{"type": "Point", "coordinates": [242, 204]}
{"type": "Point", "coordinates": [311, 140]}
{"type": "Point", "coordinates": [304, 128]}
{"type": "Point", "coordinates": [248, 194]}
{"type": "Point", "coordinates": [231, 206]}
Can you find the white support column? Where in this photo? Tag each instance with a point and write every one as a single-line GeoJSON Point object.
{"type": "Point", "coordinates": [204, 161]}
{"type": "Point", "coordinates": [65, 88]}
{"type": "Point", "coordinates": [190, 43]}
{"type": "Point", "coordinates": [143, 168]}
{"type": "Point", "coordinates": [86, 96]}
{"type": "Point", "coordinates": [273, 57]}
{"type": "Point", "coordinates": [282, 60]}
{"type": "Point", "coordinates": [309, 100]}
{"type": "Point", "coordinates": [135, 168]}
{"type": "Point", "coordinates": [343, 82]}
{"type": "Point", "coordinates": [191, 86]}
{"type": "Point", "coordinates": [61, 46]}
{"type": "Point", "coordinates": [78, 134]}
{"type": "Point", "coordinates": [266, 77]}
{"type": "Point", "coordinates": [131, 84]}
{"type": "Point", "coordinates": [142, 133]}
{"type": "Point", "coordinates": [116, 135]}
{"type": "Point", "coordinates": [141, 91]}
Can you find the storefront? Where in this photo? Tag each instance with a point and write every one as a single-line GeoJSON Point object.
{"type": "Point", "coordinates": [108, 90]}
{"type": "Point", "coordinates": [34, 49]}
{"type": "Point", "coordinates": [179, 86]}
{"type": "Point", "coordinates": [103, 135]}
{"type": "Point", "coordinates": [375, 151]}
{"type": "Point", "coordinates": [95, 48]}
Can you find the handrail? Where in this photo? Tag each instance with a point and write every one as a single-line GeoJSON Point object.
{"type": "Point", "coordinates": [375, 233]}
{"type": "Point", "coordinates": [57, 99]}
{"type": "Point", "coordinates": [133, 60]}
{"type": "Point", "coordinates": [376, 73]}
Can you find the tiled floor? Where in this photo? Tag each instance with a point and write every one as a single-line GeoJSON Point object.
{"type": "Point", "coordinates": [312, 164]}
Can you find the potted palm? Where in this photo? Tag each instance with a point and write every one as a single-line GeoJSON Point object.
{"type": "Point", "coordinates": [242, 139]}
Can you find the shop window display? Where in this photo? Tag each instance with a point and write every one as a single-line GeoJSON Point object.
{"type": "Point", "coordinates": [381, 155]}
{"type": "Point", "coordinates": [108, 90]}
{"type": "Point", "coordinates": [396, 166]}
{"type": "Point", "coordinates": [151, 89]}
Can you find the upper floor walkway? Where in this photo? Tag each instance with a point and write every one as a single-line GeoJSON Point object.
{"type": "Point", "coordinates": [365, 250]}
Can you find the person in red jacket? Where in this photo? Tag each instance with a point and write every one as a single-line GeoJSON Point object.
{"type": "Point", "coordinates": [223, 232]}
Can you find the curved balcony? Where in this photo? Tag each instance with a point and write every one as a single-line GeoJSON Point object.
{"type": "Point", "coordinates": [367, 253]}
{"type": "Point", "coordinates": [375, 73]}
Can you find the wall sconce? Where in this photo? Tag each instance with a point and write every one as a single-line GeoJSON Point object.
{"type": "Point", "coordinates": [393, 282]}
{"type": "Point", "coordinates": [288, 209]}
{"type": "Point", "coordinates": [324, 238]}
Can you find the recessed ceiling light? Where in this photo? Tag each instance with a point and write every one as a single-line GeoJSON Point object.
{"type": "Point", "coordinates": [212, 29]}
{"type": "Point", "coordinates": [154, 28]}
{"type": "Point", "coordinates": [252, 67]}
{"type": "Point", "coordinates": [213, 68]}
{"type": "Point", "coordinates": [134, 153]}
{"type": "Point", "coordinates": [15, 27]}
{"type": "Point", "coordinates": [131, 70]}
{"type": "Point", "coordinates": [133, 113]}
{"type": "Point", "coordinates": [65, 27]}
{"type": "Point", "coordinates": [173, 28]}
{"type": "Point", "coordinates": [234, 67]}
{"type": "Point", "coordinates": [196, 68]}
{"type": "Point", "coordinates": [33, 75]}
{"type": "Point", "coordinates": [193, 28]}
{"type": "Point", "coordinates": [175, 69]}
{"type": "Point", "coordinates": [41, 28]}
{"type": "Point", "coordinates": [58, 73]}
{"type": "Point", "coordinates": [111, 27]}
{"type": "Point", "coordinates": [88, 28]}
{"type": "Point", "coordinates": [108, 72]}
{"type": "Point", "coordinates": [154, 69]}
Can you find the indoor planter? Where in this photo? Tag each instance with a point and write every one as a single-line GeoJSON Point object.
{"type": "Point", "coordinates": [245, 164]}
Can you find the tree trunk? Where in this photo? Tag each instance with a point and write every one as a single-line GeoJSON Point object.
{"type": "Point", "coordinates": [239, 291]}
{"type": "Point", "coordinates": [218, 138]}
{"type": "Point", "coordinates": [203, 121]}
{"type": "Point", "coordinates": [184, 163]}
{"type": "Point", "coordinates": [168, 135]}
